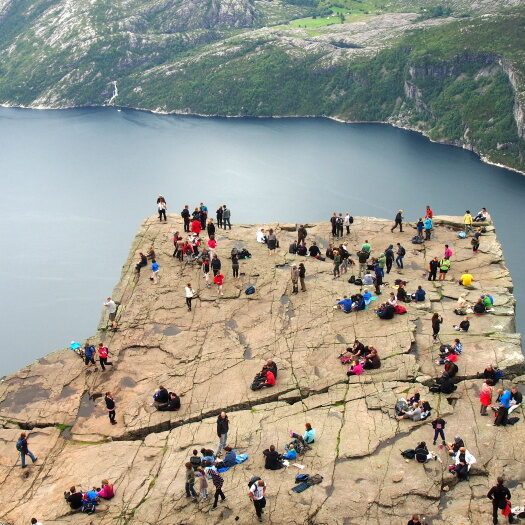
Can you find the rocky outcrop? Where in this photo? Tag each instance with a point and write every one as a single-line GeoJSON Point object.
{"type": "Point", "coordinates": [210, 355]}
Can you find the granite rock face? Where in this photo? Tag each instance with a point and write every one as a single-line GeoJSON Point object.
{"type": "Point", "coordinates": [209, 357]}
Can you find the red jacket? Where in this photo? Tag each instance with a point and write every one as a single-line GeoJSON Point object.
{"type": "Point", "coordinates": [218, 279]}
{"type": "Point", "coordinates": [270, 378]}
{"type": "Point", "coordinates": [196, 227]}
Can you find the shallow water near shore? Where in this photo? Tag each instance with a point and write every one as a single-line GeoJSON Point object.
{"type": "Point", "coordinates": [77, 184]}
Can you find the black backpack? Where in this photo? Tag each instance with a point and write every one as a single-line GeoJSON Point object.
{"type": "Point", "coordinates": [421, 455]}
{"type": "Point", "coordinates": [409, 453]}
{"type": "Point", "coordinates": [352, 279]}
{"type": "Point", "coordinates": [292, 248]}
{"type": "Point", "coordinates": [351, 220]}
{"type": "Point", "coordinates": [253, 480]}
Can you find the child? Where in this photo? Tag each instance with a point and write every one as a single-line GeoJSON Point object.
{"type": "Point", "coordinates": [218, 280]}
{"type": "Point", "coordinates": [190, 481]}
{"type": "Point", "coordinates": [206, 269]}
{"type": "Point", "coordinates": [154, 271]}
{"type": "Point", "coordinates": [291, 453]}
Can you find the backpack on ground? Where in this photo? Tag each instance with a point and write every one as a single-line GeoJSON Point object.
{"type": "Point", "coordinates": [358, 282]}
{"type": "Point", "coordinates": [250, 290]}
{"type": "Point", "coordinates": [512, 420]}
{"type": "Point", "coordinates": [301, 477]}
{"type": "Point", "coordinates": [252, 481]}
{"type": "Point", "coordinates": [417, 240]}
{"type": "Point", "coordinates": [409, 453]}
{"type": "Point", "coordinates": [400, 310]}
{"type": "Point", "coordinates": [462, 235]}
{"type": "Point", "coordinates": [244, 254]}
{"type": "Point", "coordinates": [19, 445]}
{"type": "Point", "coordinates": [352, 279]}
{"type": "Point", "coordinates": [88, 507]}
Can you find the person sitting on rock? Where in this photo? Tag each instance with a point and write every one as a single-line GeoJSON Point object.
{"type": "Point", "coordinates": [330, 251]}
{"type": "Point", "coordinates": [450, 353]}
{"type": "Point", "coordinates": [482, 216]}
{"type": "Point", "coordinates": [290, 453]}
{"type": "Point", "coordinates": [451, 369]}
{"type": "Point", "coordinates": [273, 460]}
{"type": "Point", "coordinates": [386, 311]}
{"type": "Point", "coordinates": [466, 279]}
{"type": "Point", "coordinates": [453, 447]}
{"type": "Point", "coordinates": [271, 366]}
{"type": "Point", "coordinates": [345, 304]}
{"type": "Point", "coordinates": [491, 373]}
{"type": "Point", "coordinates": [314, 251]}
{"type": "Point", "coordinates": [260, 236]}
{"type": "Point", "coordinates": [151, 254]}
{"type": "Point", "coordinates": [308, 438]}
{"type": "Point", "coordinates": [172, 405]}
{"type": "Point", "coordinates": [107, 491]}
{"type": "Point", "coordinates": [356, 369]}
{"type": "Point", "coordinates": [421, 453]}
{"type": "Point", "coordinates": [463, 326]}
{"type": "Point", "coordinates": [367, 296]}
{"type": "Point", "coordinates": [301, 250]}
{"type": "Point", "coordinates": [161, 395]}
{"type": "Point", "coordinates": [479, 307]}
{"type": "Point", "coordinates": [414, 413]}
{"type": "Point", "coordinates": [488, 302]}
{"type": "Point", "coordinates": [74, 498]}
{"type": "Point", "coordinates": [230, 459]}
{"type": "Point", "coordinates": [463, 461]}
{"type": "Point", "coordinates": [359, 303]}
{"type": "Point", "coordinates": [402, 294]}
{"type": "Point", "coordinates": [143, 261]}
{"type": "Point", "coordinates": [419, 295]}
{"type": "Point", "coordinates": [372, 361]}
{"type": "Point", "coordinates": [462, 305]}
{"type": "Point", "coordinates": [368, 280]}
{"type": "Point", "coordinates": [207, 455]}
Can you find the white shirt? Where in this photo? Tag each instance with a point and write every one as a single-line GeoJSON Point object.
{"type": "Point", "coordinates": [111, 306]}
{"type": "Point", "coordinates": [260, 236]}
{"type": "Point", "coordinates": [347, 220]}
{"type": "Point", "coordinates": [189, 291]}
{"type": "Point", "coordinates": [258, 492]}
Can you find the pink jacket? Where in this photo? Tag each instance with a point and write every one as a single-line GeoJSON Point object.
{"type": "Point", "coordinates": [107, 492]}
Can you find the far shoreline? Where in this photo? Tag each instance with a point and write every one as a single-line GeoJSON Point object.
{"type": "Point", "coordinates": [339, 120]}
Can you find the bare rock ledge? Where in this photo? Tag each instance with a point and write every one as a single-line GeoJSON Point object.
{"type": "Point", "coordinates": [209, 357]}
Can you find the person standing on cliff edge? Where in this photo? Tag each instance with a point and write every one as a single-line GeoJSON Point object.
{"type": "Point", "coordinates": [398, 221]}
{"type": "Point", "coordinates": [162, 207]}
{"type": "Point", "coordinates": [110, 405]}
{"type": "Point", "coordinates": [112, 312]}
{"type": "Point", "coordinates": [226, 214]}
{"type": "Point", "coordinates": [185, 214]}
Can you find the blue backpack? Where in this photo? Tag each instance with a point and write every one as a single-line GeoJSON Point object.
{"type": "Point", "coordinates": [250, 290]}
{"type": "Point", "coordinates": [462, 235]}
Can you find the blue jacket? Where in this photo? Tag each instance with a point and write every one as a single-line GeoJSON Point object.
{"type": "Point", "coordinates": [420, 295]}
{"type": "Point", "coordinates": [346, 304]}
{"type": "Point", "coordinates": [230, 459]}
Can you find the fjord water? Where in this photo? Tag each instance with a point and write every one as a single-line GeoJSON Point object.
{"type": "Point", "coordinates": [77, 183]}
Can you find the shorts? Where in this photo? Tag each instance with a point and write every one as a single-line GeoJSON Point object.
{"type": "Point", "coordinates": [443, 271]}
{"type": "Point", "coordinates": [112, 316]}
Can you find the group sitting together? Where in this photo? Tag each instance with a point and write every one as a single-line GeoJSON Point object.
{"type": "Point", "coordinates": [362, 358]}
{"type": "Point", "coordinates": [267, 377]}
{"type": "Point", "coordinates": [166, 401]}
{"type": "Point", "coordinates": [87, 501]}
{"type": "Point", "coordinates": [273, 460]}
{"type": "Point", "coordinates": [413, 408]}
{"type": "Point", "coordinates": [484, 303]}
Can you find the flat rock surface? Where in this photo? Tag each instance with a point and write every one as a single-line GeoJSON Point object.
{"type": "Point", "coordinates": [209, 357]}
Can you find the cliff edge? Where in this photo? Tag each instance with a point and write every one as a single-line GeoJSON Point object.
{"type": "Point", "coordinates": [210, 355]}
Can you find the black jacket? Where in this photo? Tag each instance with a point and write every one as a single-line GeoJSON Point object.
{"type": "Point", "coordinates": [185, 213]}
{"type": "Point", "coordinates": [272, 460]}
{"type": "Point", "coordinates": [223, 425]}
{"type": "Point", "coordinates": [110, 404]}
{"type": "Point", "coordinates": [498, 494]}
{"type": "Point", "coordinates": [210, 228]}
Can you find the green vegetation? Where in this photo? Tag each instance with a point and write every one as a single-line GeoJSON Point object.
{"type": "Point", "coordinates": [446, 80]}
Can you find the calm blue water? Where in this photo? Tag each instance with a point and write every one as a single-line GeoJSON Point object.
{"type": "Point", "coordinates": [78, 183]}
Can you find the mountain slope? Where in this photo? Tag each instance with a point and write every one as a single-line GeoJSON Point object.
{"type": "Point", "coordinates": [459, 80]}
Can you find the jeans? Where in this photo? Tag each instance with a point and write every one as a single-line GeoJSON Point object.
{"type": "Point", "coordinates": [162, 213]}
{"type": "Point", "coordinates": [218, 492]}
{"type": "Point", "coordinates": [337, 273]}
{"type": "Point", "coordinates": [111, 414]}
{"type": "Point", "coordinates": [427, 234]}
{"type": "Point", "coordinates": [223, 440]}
{"type": "Point", "coordinates": [235, 269]}
{"type": "Point", "coordinates": [439, 432]}
{"type": "Point", "coordinates": [190, 491]}
{"type": "Point", "coordinates": [399, 261]}
{"type": "Point", "coordinates": [186, 224]}
{"type": "Point", "coordinates": [226, 222]}
{"type": "Point", "coordinates": [389, 265]}
{"type": "Point", "coordinates": [188, 303]}
{"type": "Point", "coordinates": [23, 457]}
{"type": "Point", "coordinates": [259, 505]}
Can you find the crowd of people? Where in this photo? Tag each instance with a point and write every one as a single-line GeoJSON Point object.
{"type": "Point", "coordinates": [208, 465]}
